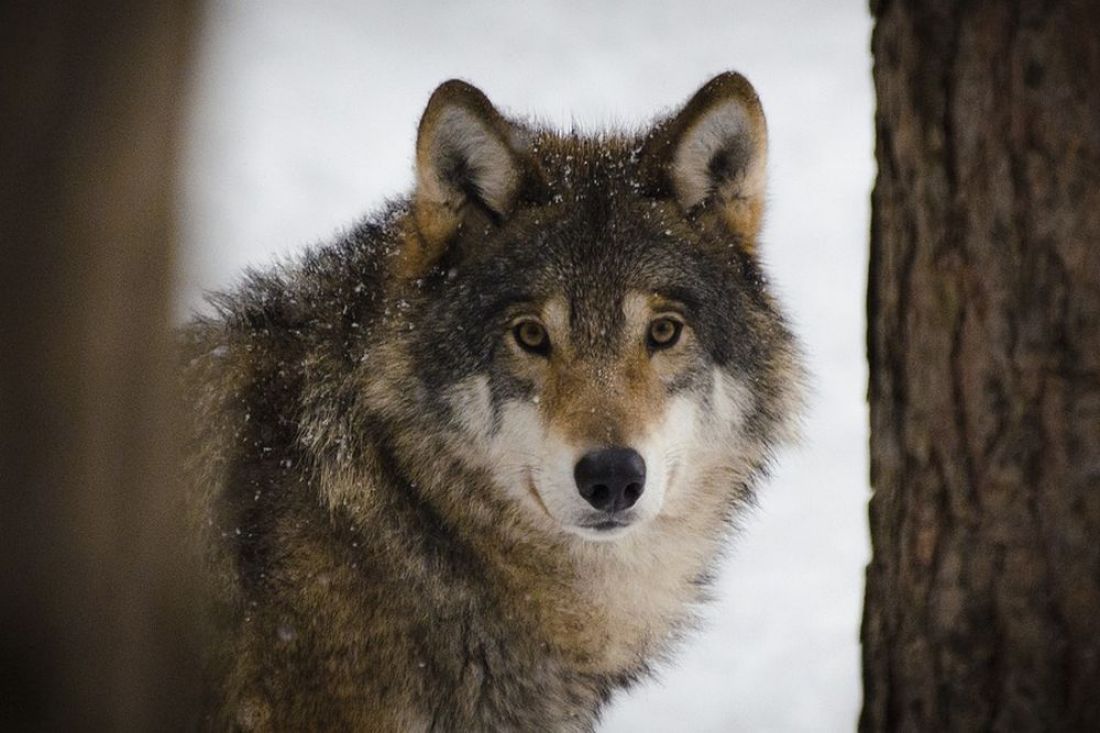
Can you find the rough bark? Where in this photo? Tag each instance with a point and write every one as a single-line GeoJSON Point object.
{"type": "Point", "coordinates": [95, 628]}
{"type": "Point", "coordinates": [983, 595]}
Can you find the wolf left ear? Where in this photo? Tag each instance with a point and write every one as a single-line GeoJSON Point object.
{"type": "Point", "coordinates": [468, 157]}
{"type": "Point", "coordinates": [711, 156]}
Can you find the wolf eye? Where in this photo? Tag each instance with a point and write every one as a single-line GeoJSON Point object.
{"type": "Point", "coordinates": [664, 333]}
{"type": "Point", "coordinates": [532, 336]}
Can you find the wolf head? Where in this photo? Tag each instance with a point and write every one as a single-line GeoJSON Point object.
{"type": "Point", "coordinates": [585, 314]}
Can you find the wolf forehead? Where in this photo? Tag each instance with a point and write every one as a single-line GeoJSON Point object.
{"type": "Point", "coordinates": [592, 249]}
{"type": "Point", "coordinates": [592, 209]}
{"type": "Point", "coordinates": [592, 273]}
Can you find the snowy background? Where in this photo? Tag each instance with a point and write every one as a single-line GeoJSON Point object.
{"type": "Point", "coordinates": [304, 117]}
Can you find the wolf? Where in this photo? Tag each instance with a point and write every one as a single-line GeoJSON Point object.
{"type": "Point", "coordinates": [470, 466]}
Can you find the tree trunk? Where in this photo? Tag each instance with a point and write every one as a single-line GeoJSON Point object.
{"type": "Point", "coordinates": [983, 595]}
{"type": "Point", "coordinates": [96, 627]}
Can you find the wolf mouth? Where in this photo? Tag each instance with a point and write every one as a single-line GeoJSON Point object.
{"type": "Point", "coordinates": [609, 524]}
{"type": "Point", "coordinates": [606, 525]}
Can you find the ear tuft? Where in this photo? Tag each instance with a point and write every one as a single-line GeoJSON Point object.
{"type": "Point", "coordinates": [467, 155]}
{"type": "Point", "coordinates": [713, 153]}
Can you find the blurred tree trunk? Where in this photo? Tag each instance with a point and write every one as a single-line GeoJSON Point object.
{"type": "Point", "coordinates": [96, 629]}
{"type": "Point", "coordinates": [983, 595]}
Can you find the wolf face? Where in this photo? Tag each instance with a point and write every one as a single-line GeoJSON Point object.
{"type": "Point", "coordinates": [586, 313]}
{"type": "Point", "coordinates": [594, 429]}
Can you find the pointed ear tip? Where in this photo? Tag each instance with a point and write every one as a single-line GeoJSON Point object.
{"type": "Point", "coordinates": [455, 85]}
{"type": "Point", "coordinates": [731, 84]}
{"type": "Point", "coordinates": [456, 90]}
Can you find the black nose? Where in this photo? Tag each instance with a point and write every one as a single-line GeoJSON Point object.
{"type": "Point", "coordinates": [611, 479]}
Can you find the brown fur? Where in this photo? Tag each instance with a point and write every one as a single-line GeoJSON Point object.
{"type": "Point", "coordinates": [370, 572]}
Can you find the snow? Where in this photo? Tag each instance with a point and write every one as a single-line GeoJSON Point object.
{"type": "Point", "coordinates": [304, 117]}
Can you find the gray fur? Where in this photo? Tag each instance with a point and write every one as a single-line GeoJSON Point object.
{"type": "Point", "coordinates": [370, 571]}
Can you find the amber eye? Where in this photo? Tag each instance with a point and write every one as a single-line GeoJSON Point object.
{"type": "Point", "coordinates": [664, 333]}
{"type": "Point", "coordinates": [532, 336]}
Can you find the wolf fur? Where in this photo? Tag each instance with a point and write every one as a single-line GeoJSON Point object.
{"type": "Point", "coordinates": [385, 472]}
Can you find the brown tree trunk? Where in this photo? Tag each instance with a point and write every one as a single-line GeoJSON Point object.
{"type": "Point", "coordinates": [96, 629]}
{"type": "Point", "coordinates": [983, 595]}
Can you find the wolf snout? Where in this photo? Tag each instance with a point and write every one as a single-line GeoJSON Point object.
{"type": "Point", "coordinates": [611, 479]}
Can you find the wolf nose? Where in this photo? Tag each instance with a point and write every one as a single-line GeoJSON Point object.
{"type": "Point", "coordinates": [611, 479]}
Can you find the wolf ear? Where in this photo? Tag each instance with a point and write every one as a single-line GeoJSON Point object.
{"type": "Point", "coordinates": [711, 156]}
{"type": "Point", "coordinates": [468, 157]}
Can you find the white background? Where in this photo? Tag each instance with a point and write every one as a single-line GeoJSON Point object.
{"type": "Point", "coordinates": [304, 117]}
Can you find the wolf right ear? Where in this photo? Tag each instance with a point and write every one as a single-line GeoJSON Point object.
{"type": "Point", "coordinates": [711, 156]}
{"type": "Point", "coordinates": [467, 156]}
